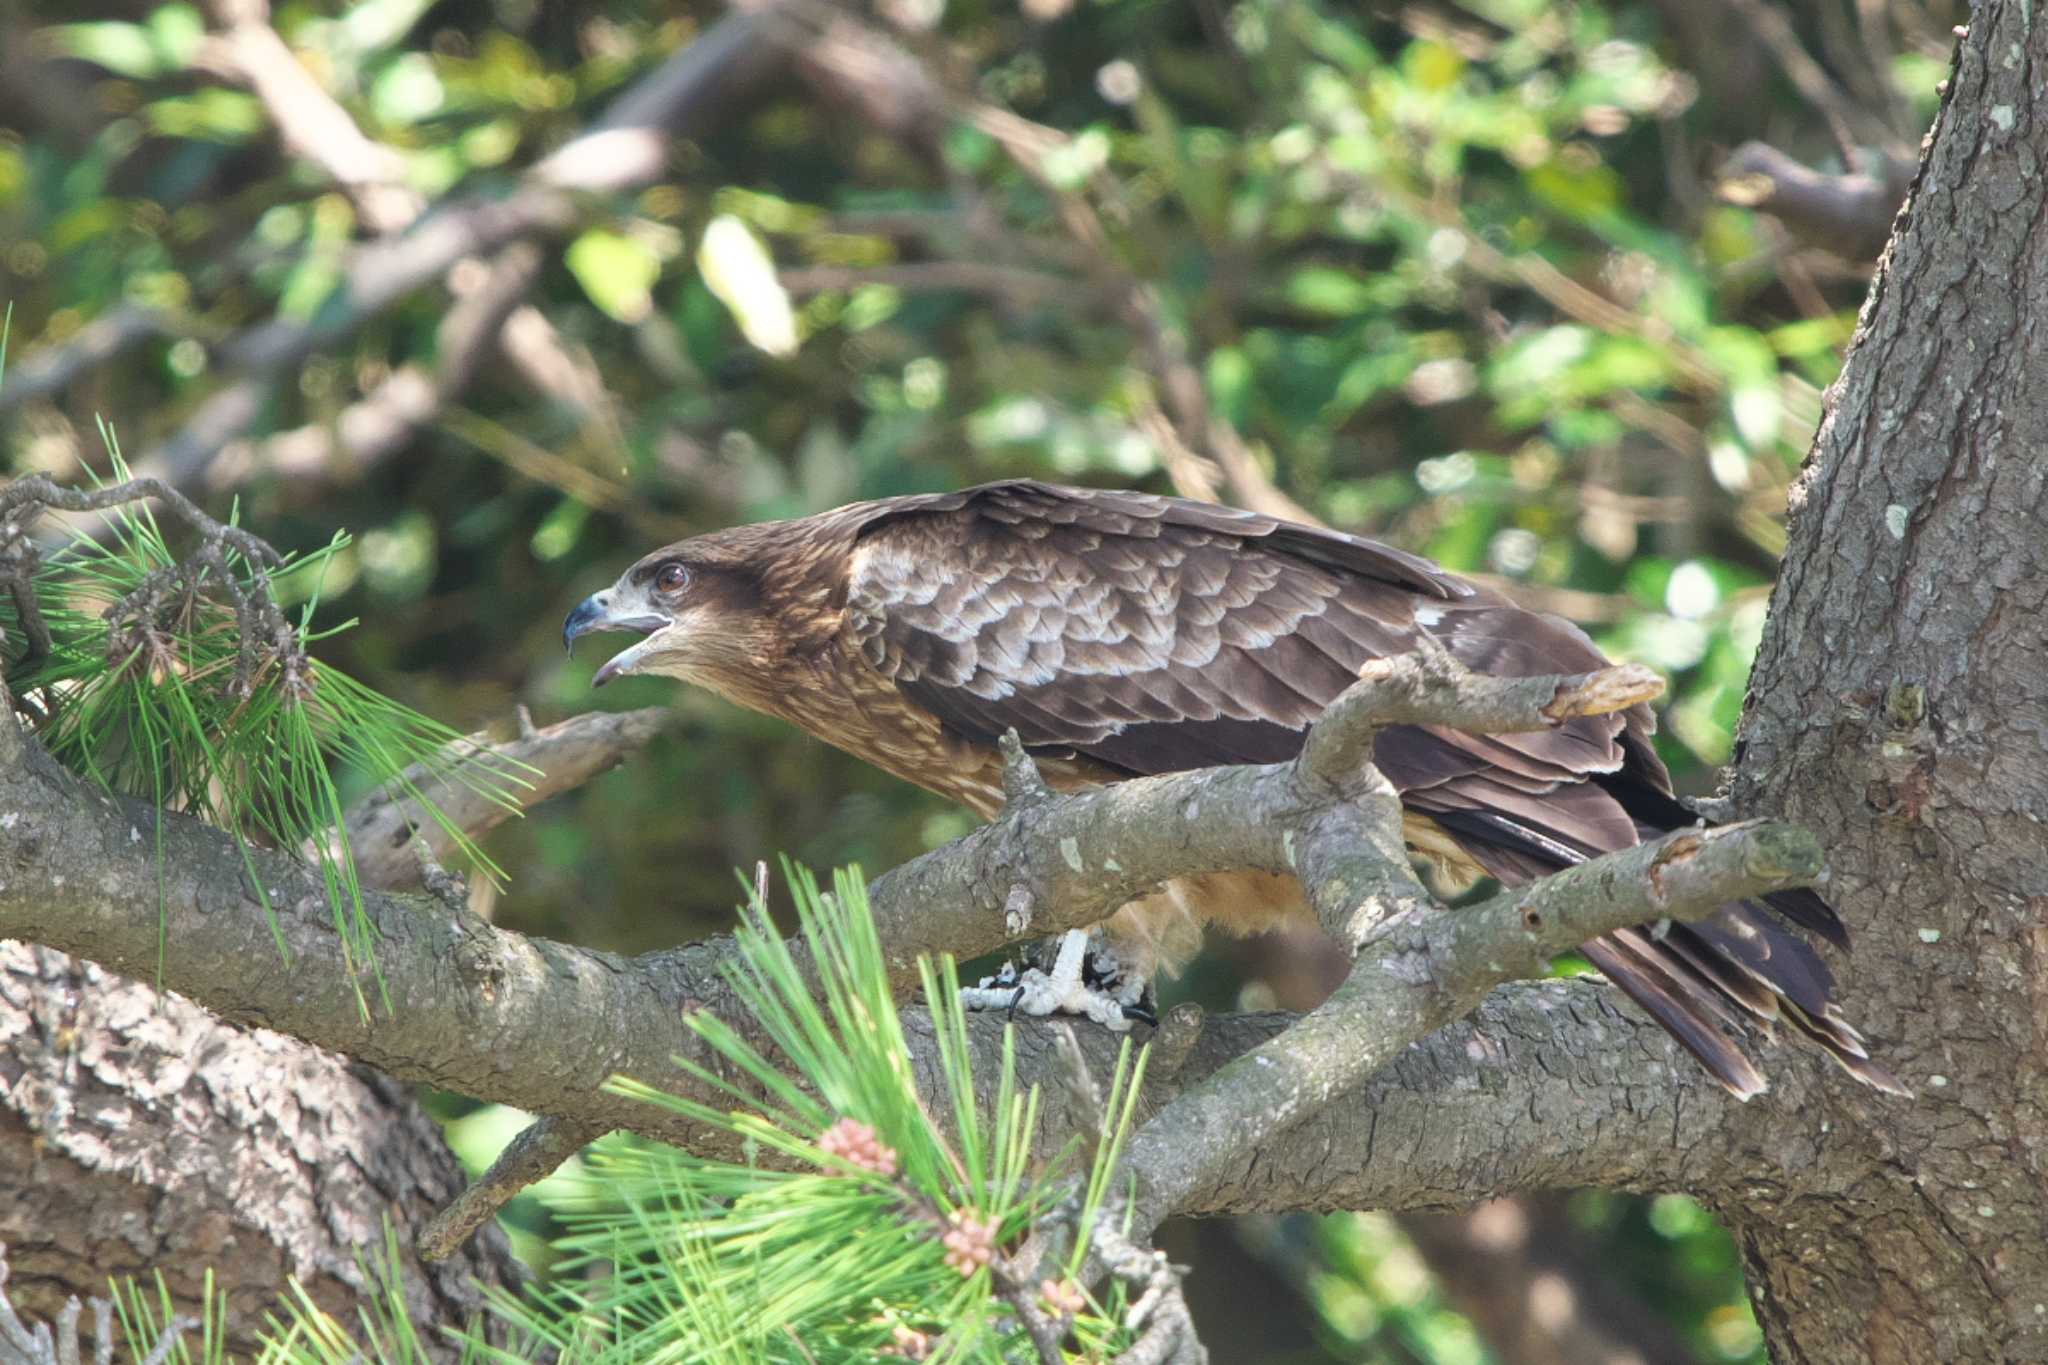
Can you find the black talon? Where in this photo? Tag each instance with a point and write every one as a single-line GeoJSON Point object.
{"type": "Point", "coordinates": [1143, 1013]}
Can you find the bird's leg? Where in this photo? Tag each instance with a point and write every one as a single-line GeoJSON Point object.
{"type": "Point", "coordinates": [1085, 979]}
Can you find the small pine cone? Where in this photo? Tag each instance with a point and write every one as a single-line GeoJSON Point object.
{"type": "Point", "coordinates": [971, 1243]}
{"type": "Point", "coordinates": [1062, 1296]}
{"type": "Point", "coordinates": [909, 1344]}
{"type": "Point", "coordinates": [856, 1144]}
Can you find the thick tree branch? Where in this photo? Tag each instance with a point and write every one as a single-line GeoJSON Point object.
{"type": "Point", "coordinates": [1544, 1086]}
{"type": "Point", "coordinates": [527, 1022]}
{"type": "Point", "coordinates": [1428, 969]}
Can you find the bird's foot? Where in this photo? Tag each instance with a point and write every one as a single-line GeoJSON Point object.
{"type": "Point", "coordinates": [1085, 979]}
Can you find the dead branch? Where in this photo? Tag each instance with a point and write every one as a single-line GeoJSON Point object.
{"type": "Point", "coordinates": [563, 756]}
{"type": "Point", "coordinates": [134, 618]}
{"type": "Point", "coordinates": [533, 1156]}
{"type": "Point", "coordinates": [1850, 215]}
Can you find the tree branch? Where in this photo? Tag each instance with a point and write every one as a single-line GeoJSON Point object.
{"type": "Point", "coordinates": [1430, 968]}
{"type": "Point", "coordinates": [382, 825]}
{"type": "Point", "coordinates": [694, 89]}
{"type": "Point", "coordinates": [1848, 214]}
{"type": "Point", "coordinates": [532, 1156]}
{"type": "Point", "coordinates": [1544, 1086]}
{"type": "Point", "coordinates": [1048, 865]}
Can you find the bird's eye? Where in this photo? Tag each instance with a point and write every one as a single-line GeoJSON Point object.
{"type": "Point", "coordinates": [671, 576]}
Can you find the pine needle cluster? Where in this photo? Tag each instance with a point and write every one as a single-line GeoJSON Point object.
{"type": "Point", "coordinates": [179, 680]}
{"type": "Point", "coordinates": [862, 1226]}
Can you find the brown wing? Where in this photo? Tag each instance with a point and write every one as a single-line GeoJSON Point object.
{"type": "Point", "coordinates": [1154, 635]}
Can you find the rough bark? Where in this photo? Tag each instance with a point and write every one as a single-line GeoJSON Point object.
{"type": "Point", "coordinates": [1898, 708]}
{"type": "Point", "coordinates": [139, 1133]}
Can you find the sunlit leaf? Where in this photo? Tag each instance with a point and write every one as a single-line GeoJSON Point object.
{"type": "Point", "coordinates": [737, 268]}
{"type": "Point", "coordinates": [617, 271]}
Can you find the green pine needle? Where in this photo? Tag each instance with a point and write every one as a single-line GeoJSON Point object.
{"type": "Point", "coordinates": [796, 1255]}
{"type": "Point", "coordinates": [152, 707]}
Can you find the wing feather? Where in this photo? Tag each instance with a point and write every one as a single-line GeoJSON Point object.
{"type": "Point", "coordinates": [1153, 635]}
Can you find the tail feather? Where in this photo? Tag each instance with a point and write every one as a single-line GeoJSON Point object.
{"type": "Point", "coordinates": [1751, 992]}
{"type": "Point", "coordinates": [1658, 813]}
{"type": "Point", "coordinates": [1705, 982]}
{"type": "Point", "coordinates": [1747, 938]}
{"type": "Point", "coordinates": [1678, 1006]}
{"type": "Point", "coordinates": [1807, 910]}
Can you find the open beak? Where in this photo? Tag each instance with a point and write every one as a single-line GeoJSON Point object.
{"type": "Point", "coordinates": [597, 612]}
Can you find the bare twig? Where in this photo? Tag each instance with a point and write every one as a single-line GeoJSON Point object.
{"type": "Point", "coordinates": [541, 1025]}
{"type": "Point", "coordinates": [135, 617]}
{"type": "Point", "coordinates": [382, 825]}
{"type": "Point", "coordinates": [535, 1154]}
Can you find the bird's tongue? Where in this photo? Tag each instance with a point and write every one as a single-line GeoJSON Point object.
{"type": "Point", "coordinates": [621, 663]}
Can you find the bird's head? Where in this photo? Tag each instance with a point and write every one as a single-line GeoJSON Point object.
{"type": "Point", "coordinates": [652, 599]}
{"type": "Point", "coordinates": [724, 610]}
{"type": "Point", "coordinates": [694, 612]}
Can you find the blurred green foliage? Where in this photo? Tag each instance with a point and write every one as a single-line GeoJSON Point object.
{"type": "Point", "coordinates": [1454, 270]}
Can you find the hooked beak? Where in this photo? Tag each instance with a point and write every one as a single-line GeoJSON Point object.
{"type": "Point", "coordinates": [595, 613]}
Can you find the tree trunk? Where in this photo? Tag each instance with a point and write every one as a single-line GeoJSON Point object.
{"type": "Point", "coordinates": [140, 1133]}
{"type": "Point", "coordinates": [1898, 709]}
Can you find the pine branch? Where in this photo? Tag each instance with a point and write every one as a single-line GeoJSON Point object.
{"type": "Point", "coordinates": [262, 625]}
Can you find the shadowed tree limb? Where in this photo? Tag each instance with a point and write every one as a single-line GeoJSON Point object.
{"type": "Point", "coordinates": [1849, 214]}
{"type": "Point", "coordinates": [624, 149]}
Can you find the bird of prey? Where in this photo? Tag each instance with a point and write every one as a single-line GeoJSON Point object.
{"type": "Point", "coordinates": [1123, 635]}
